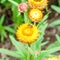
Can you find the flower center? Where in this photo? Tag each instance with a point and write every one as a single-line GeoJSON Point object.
{"type": "Point", "coordinates": [28, 31]}
{"type": "Point", "coordinates": [35, 14]}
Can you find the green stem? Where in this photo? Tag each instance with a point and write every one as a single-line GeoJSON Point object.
{"type": "Point", "coordinates": [34, 23]}
{"type": "Point", "coordinates": [26, 19]}
{"type": "Point", "coordinates": [31, 55]}
{"type": "Point", "coordinates": [28, 57]}
{"type": "Point", "coordinates": [47, 9]}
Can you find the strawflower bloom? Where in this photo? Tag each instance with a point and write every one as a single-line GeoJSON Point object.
{"type": "Point", "coordinates": [22, 7]}
{"type": "Point", "coordinates": [41, 4]}
{"type": "Point", "coordinates": [35, 15]}
{"type": "Point", "coordinates": [59, 57]}
{"type": "Point", "coordinates": [54, 58]}
{"type": "Point", "coordinates": [27, 33]}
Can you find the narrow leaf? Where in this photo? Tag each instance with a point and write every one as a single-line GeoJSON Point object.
{"type": "Point", "coordinates": [9, 29]}
{"type": "Point", "coordinates": [18, 46]}
{"type": "Point", "coordinates": [13, 2]}
{"type": "Point", "coordinates": [56, 8]}
{"type": "Point", "coordinates": [26, 19]}
{"type": "Point", "coordinates": [44, 19]}
{"type": "Point", "coordinates": [44, 43]}
{"type": "Point", "coordinates": [54, 23]}
{"type": "Point", "coordinates": [10, 53]}
{"type": "Point", "coordinates": [52, 50]}
{"type": "Point", "coordinates": [2, 19]}
{"type": "Point", "coordinates": [58, 38]}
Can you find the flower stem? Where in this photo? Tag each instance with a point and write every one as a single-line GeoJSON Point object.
{"type": "Point", "coordinates": [29, 55]}
{"type": "Point", "coordinates": [34, 23]}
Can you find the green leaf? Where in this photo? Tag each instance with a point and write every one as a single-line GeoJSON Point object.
{"type": "Point", "coordinates": [37, 45]}
{"type": "Point", "coordinates": [2, 19]}
{"type": "Point", "coordinates": [54, 23]}
{"type": "Point", "coordinates": [17, 16]}
{"type": "Point", "coordinates": [56, 8]}
{"type": "Point", "coordinates": [52, 50]}
{"type": "Point", "coordinates": [53, 45]}
{"type": "Point", "coordinates": [9, 29]}
{"type": "Point", "coordinates": [26, 19]}
{"type": "Point", "coordinates": [2, 1]}
{"type": "Point", "coordinates": [46, 8]}
{"type": "Point", "coordinates": [30, 51]}
{"type": "Point", "coordinates": [19, 46]}
{"type": "Point", "coordinates": [2, 38]}
{"type": "Point", "coordinates": [58, 38]}
{"type": "Point", "coordinates": [3, 33]}
{"type": "Point", "coordinates": [23, 0]}
{"type": "Point", "coordinates": [42, 27]}
{"type": "Point", "coordinates": [42, 55]}
{"type": "Point", "coordinates": [44, 43]}
{"type": "Point", "coordinates": [13, 2]}
{"type": "Point", "coordinates": [59, 2]}
{"type": "Point", "coordinates": [10, 53]}
{"type": "Point", "coordinates": [43, 20]}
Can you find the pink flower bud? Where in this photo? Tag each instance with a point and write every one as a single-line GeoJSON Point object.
{"type": "Point", "coordinates": [22, 7]}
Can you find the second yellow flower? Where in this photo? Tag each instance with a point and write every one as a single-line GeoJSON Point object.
{"type": "Point", "coordinates": [35, 15]}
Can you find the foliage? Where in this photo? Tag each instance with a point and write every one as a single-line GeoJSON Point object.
{"type": "Point", "coordinates": [56, 43]}
{"type": "Point", "coordinates": [56, 8]}
{"type": "Point", "coordinates": [25, 52]}
{"type": "Point", "coordinates": [59, 2]}
{"type": "Point", "coordinates": [3, 29]}
{"type": "Point", "coordinates": [28, 51]}
{"type": "Point", "coordinates": [57, 21]}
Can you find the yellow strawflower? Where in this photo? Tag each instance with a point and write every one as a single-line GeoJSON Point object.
{"type": "Point", "coordinates": [54, 58]}
{"type": "Point", "coordinates": [40, 4]}
{"type": "Point", "coordinates": [35, 15]}
{"type": "Point", "coordinates": [27, 33]}
{"type": "Point", "coordinates": [59, 57]}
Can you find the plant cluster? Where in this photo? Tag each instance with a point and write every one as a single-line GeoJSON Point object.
{"type": "Point", "coordinates": [30, 24]}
